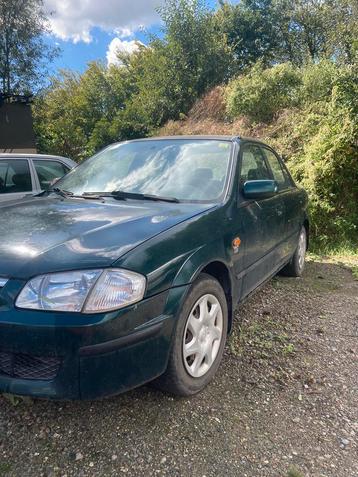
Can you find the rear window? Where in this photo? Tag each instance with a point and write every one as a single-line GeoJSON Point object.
{"type": "Point", "coordinates": [279, 173]}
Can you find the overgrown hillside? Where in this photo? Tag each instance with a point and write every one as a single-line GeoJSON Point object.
{"type": "Point", "coordinates": [310, 115]}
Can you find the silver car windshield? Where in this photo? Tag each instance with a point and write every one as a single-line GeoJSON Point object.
{"type": "Point", "coordinates": [189, 170]}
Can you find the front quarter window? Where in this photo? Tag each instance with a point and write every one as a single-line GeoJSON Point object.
{"type": "Point", "coordinates": [253, 165]}
{"type": "Point", "coordinates": [189, 170]}
{"type": "Point", "coordinates": [47, 171]}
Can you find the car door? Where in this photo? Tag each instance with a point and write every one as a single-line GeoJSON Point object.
{"type": "Point", "coordinates": [47, 171]}
{"type": "Point", "coordinates": [15, 179]}
{"type": "Point", "coordinates": [289, 193]}
{"type": "Point", "coordinates": [262, 221]}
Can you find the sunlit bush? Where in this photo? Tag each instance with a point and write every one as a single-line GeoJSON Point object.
{"type": "Point", "coordinates": [261, 93]}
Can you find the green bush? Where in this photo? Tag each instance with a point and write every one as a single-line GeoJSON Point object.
{"type": "Point", "coordinates": [330, 165]}
{"type": "Point", "coordinates": [317, 132]}
{"type": "Point", "coordinates": [318, 80]}
{"type": "Point", "coordinates": [261, 93]}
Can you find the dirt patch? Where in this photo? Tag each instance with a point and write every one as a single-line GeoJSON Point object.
{"type": "Point", "coordinates": [284, 402]}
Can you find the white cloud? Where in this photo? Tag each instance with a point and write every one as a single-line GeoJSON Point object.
{"type": "Point", "coordinates": [75, 19]}
{"type": "Point", "coordinates": [124, 32]}
{"type": "Point", "coordinates": [120, 46]}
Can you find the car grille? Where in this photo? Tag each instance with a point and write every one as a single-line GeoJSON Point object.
{"type": "Point", "coordinates": [23, 366]}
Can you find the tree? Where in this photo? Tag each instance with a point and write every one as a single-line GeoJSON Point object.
{"type": "Point", "coordinates": [23, 51]}
{"type": "Point", "coordinates": [251, 30]}
{"type": "Point", "coordinates": [344, 36]}
{"type": "Point", "coordinates": [275, 31]}
{"type": "Point", "coordinates": [172, 72]}
{"type": "Point", "coordinates": [77, 114]}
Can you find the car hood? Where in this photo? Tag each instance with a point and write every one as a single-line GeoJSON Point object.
{"type": "Point", "coordinates": [47, 234]}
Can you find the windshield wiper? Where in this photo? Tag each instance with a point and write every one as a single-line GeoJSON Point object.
{"type": "Point", "coordinates": [61, 192]}
{"type": "Point", "coordinates": [68, 194]}
{"type": "Point", "coordinates": [137, 195]}
{"type": "Point", "coordinates": [122, 195]}
{"type": "Point", "coordinates": [116, 194]}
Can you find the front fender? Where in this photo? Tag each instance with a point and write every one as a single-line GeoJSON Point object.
{"type": "Point", "coordinates": [198, 260]}
{"type": "Point", "coordinates": [174, 257]}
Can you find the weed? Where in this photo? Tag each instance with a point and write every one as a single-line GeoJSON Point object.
{"type": "Point", "coordinates": [16, 400]}
{"type": "Point", "coordinates": [5, 468]}
{"type": "Point", "coordinates": [354, 270]}
{"type": "Point", "coordinates": [294, 472]}
{"type": "Point", "coordinates": [289, 348]}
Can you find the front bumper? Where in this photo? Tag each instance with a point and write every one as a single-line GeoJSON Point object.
{"type": "Point", "coordinates": [75, 356]}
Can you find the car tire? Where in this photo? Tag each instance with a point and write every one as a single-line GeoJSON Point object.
{"type": "Point", "coordinates": [201, 330]}
{"type": "Point", "coordinates": [296, 265]}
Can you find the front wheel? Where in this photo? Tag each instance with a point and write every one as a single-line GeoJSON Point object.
{"type": "Point", "coordinates": [297, 263]}
{"type": "Point", "coordinates": [199, 340]}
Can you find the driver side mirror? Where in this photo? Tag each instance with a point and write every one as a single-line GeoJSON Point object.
{"type": "Point", "coordinates": [259, 189]}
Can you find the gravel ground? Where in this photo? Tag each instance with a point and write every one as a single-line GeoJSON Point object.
{"type": "Point", "coordinates": [284, 402]}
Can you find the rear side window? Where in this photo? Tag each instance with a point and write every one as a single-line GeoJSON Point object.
{"type": "Point", "coordinates": [15, 176]}
{"type": "Point", "coordinates": [253, 165]}
{"type": "Point", "coordinates": [47, 171]}
{"type": "Point", "coordinates": [279, 173]}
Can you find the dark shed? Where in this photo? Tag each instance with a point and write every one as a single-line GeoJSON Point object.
{"type": "Point", "coordinates": [16, 128]}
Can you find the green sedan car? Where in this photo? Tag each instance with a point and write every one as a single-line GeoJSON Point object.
{"type": "Point", "coordinates": [130, 269]}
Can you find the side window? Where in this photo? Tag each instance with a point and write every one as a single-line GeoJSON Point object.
{"type": "Point", "coordinates": [253, 166]}
{"type": "Point", "coordinates": [15, 176]}
{"type": "Point", "coordinates": [47, 171]}
{"type": "Point", "coordinates": [279, 174]}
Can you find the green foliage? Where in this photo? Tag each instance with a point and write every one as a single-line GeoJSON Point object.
{"type": "Point", "coordinates": [281, 30]}
{"type": "Point", "coordinates": [23, 52]}
{"type": "Point", "coordinates": [77, 115]}
{"type": "Point", "coordinates": [319, 135]}
{"type": "Point", "coordinates": [261, 93]}
{"type": "Point", "coordinates": [318, 80]}
{"type": "Point", "coordinates": [294, 472]}
{"type": "Point", "coordinates": [251, 31]}
{"type": "Point", "coordinates": [328, 164]}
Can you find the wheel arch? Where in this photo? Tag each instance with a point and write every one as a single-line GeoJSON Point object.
{"type": "Point", "coordinates": [220, 272]}
{"type": "Point", "coordinates": [306, 225]}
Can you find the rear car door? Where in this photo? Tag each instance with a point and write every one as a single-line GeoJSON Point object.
{"type": "Point", "coordinates": [263, 221]}
{"type": "Point", "coordinates": [15, 179]}
{"type": "Point", "coordinates": [290, 197]}
{"type": "Point", "coordinates": [47, 171]}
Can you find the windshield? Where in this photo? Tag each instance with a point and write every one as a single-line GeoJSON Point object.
{"type": "Point", "coordinates": [189, 170]}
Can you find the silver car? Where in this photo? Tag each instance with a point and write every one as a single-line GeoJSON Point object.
{"type": "Point", "coordinates": [28, 174]}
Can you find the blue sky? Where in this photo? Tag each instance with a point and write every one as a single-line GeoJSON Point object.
{"type": "Point", "coordinates": [87, 30]}
{"type": "Point", "coordinates": [75, 56]}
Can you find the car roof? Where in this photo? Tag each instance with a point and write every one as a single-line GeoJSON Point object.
{"type": "Point", "coordinates": [229, 138]}
{"type": "Point", "coordinates": [15, 155]}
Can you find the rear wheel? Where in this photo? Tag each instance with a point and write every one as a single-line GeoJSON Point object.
{"type": "Point", "coordinates": [297, 263]}
{"type": "Point", "coordinates": [199, 339]}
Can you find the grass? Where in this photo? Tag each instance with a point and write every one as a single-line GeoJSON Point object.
{"type": "Point", "coordinates": [294, 472]}
{"type": "Point", "coordinates": [5, 468]}
{"type": "Point", "coordinates": [347, 257]}
{"type": "Point", "coordinates": [345, 250]}
{"type": "Point", "coordinates": [266, 336]}
{"type": "Point", "coordinates": [354, 269]}
{"type": "Point", "coordinates": [16, 400]}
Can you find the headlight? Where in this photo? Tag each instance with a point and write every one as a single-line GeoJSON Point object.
{"type": "Point", "coordinates": [87, 291]}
